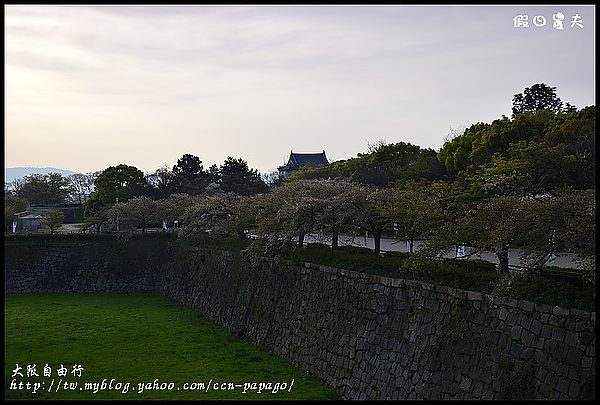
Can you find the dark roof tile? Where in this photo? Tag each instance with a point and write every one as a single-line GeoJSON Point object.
{"type": "Point", "coordinates": [298, 160]}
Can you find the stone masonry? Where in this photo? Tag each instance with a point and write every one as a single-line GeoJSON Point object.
{"type": "Point", "coordinates": [369, 337]}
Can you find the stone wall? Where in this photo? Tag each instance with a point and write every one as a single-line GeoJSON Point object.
{"type": "Point", "coordinates": [373, 337]}
{"type": "Point", "coordinates": [57, 264]}
{"type": "Point", "coordinates": [370, 337]}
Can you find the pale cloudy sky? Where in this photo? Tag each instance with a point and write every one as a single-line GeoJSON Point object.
{"type": "Point", "coordinates": [87, 87]}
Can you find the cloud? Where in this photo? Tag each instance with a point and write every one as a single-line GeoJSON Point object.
{"type": "Point", "coordinates": [308, 77]}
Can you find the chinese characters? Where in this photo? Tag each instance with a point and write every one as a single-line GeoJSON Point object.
{"type": "Point", "coordinates": [31, 370]}
{"type": "Point", "coordinates": [522, 21]}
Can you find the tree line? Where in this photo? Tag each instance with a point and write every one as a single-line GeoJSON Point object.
{"type": "Point", "coordinates": [527, 181]}
{"type": "Point", "coordinates": [99, 190]}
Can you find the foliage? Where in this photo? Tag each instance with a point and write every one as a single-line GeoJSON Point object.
{"type": "Point", "coordinates": [54, 219]}
{"type": "Point", "coordinates": [302, 207]}
{"type": "Point", "coordinates": [189, 175]}
{"type": "Point", "coordinates": [537, 97]}
{"type": "Point", "coordinates": [145, 241]}
{"type": "Point", "coordinates": [274, 179]}
{"type": "Point", "coordinates": [307, 206]}
{"type": "Point", "coordinates": [575, 226]}
{"type": "Point", "coordinates": [82, 185]}
{"type": "Point", "coordinates": [120, 183]}
{"type": "Point", "coordinates": [224, 244]}
{"type": "Point", "coordinates": [161, 183]}
{"type": "Point", "coordinates": [284, 214]}
{"type": "Point", "coordinates": [172, 208]}
{"type": "Point", "coordinates": [410, 210]}
{"type": "Point", "coordinates": [188, 166]}
{"type": "Point", "coordinates": [472, 275]}
{"type": "Point", "coordinates": [219, 216]}
{"type": "Point", "coordinates": [135, 214]}
{"type": "Point", "coordinates": [527, 181]}
{"type": "Point", "coordinates": [345, 257]}
{"type": "Point", "coordinates": [455, 154]}
{"type": "Point", "coordinates": [382, 166]}
{"type": "Point", "coordinates": [313, 173]}
{"type": "Point", "coordinates": [496, 223]}
{"type": "Point", "coordinates": [94, 214]}
{"type": "Point", "coordinates": [564, 221]}
{"type": "Point", "coordinates": [492, 225]}
{"type": "Point", "coordinates": [532, 153]}
{"type": "Point", "coordinates": [544, 290]}
{"type": "Point", "coordinates": [43, 189]}
{"type": "Point", "coordinates": [525, 172]}
{"type": "Point", "coordinates": [12, 206]}
{"type": "Point", "coordinates": [236, 177]}
{"type": "Point", "coordinates": [577, 135]}
{"type": "Point", "coordinates": [367, 214]}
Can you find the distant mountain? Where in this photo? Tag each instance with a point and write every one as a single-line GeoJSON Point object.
{"type": "Point", "coordinates": [12, 173]}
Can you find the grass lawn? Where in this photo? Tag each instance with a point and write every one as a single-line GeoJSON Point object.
{"type": "Point", "coordinates": [137, 339]}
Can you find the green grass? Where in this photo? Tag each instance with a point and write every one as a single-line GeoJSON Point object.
{"type": "Point", "coordinates": [135, 339]}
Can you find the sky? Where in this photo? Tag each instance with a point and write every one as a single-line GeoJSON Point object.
{"type": "Point", "coordinates": [88, 87]}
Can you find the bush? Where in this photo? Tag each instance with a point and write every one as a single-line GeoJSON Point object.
{"type": "Point", "coordinates": [76, 238]}
{"type": "Point", "coordinates": [543, 290]}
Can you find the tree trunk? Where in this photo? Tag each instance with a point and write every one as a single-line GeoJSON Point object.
{"type": "Point", "coordinates": [377, 238]}
{"type": "Point", "coordinates": [301, 240]}
{"type": "Point", "coordinates": [410, 246]}
{"type": "Point", "coordinates": [334, 239]}
{"type": "Point", "coordinates": [503, 259]}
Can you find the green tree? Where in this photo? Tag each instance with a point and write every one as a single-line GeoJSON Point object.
{"type": "Point", "coordinates": [45, 189]}
{"type": "Point", "coordinates": [188, 166]}
{"type": "Point", "coordinates": [367, 213]}
{"type": "Point", "coordinates": [236, 177]}
{"type": "Point", "coordinates": [135, 214]}
{"type": "Point", "coordinates": [530, 169]}
{"type": "Point", "coordinates": [441, 209]}
{"type": "Point", "coordinates": [12, 206]}
{"type": "Point", "coordinates": [537, 97]}
{"type": "Point", "coordinates": [162, 182]}
{"type": "Point", "coordinates": [495, 224]}
{"type": "Point", "coordinates": [190, 176]}
{"type": "Point", "coordinates": [173, 208]}
{"type": "Point", "coordinates": [54, 219]}
{"type": "Point", "coordinates": [15, 187]}
{"type": "Point", "coordinates": [82, 185]}
{"type": "Point", "coordinates": [214, 174]}
{"type": "Point", "coordinates": [383, 165]}
{"type": "Point", "coordinates": [455, 154]}
{"type": "Point", "coordinates": [578, 135]}
{"type": "Point", "coordinates": [287, 213]}
{"type": "Point", "coordinates": [95, 218]}
{"type": "Point", "coordinates": [299, 208]}
{"type": "Point", "coordinates": [409, 209]}
{"type": "Point", "coordinates": [534, 152]}
{"type": "Point", "coordinates": [565, 222]}
{"type": "Point", "coordinates": [120, 182]}
{"type": "Point", "coordinates": [313, 173]}
{"type": "Point", "coordinates": [217, 216]}
{"type": "Point", "coordinates": [334, 207]}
